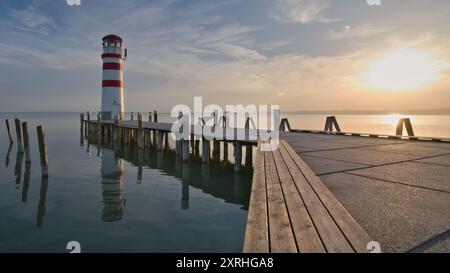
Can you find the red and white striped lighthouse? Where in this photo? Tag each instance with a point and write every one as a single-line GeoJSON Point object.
{"type": "Point", "coordinates": [112, 84]}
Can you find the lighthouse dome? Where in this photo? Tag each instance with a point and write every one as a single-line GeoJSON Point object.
{"type": "Point", "coordinates": [112, 37]}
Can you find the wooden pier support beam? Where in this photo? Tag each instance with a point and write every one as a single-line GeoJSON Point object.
{"type": "Point", "coordinates": [26, 142]}
{"type": "Point", "coordinates": [237, 156]}
{"type": "Point", "coordinates": [155, 116]}
{"type": "Point", "coordinates": [81, 120]}
{"type": "Point", "coordinates": [88, 116]}
{"type": "Point", "coordinates": [149, 116]}
{"type": "Point", "coordinates": [159, 140]}
{"type": "Point", "coordinates": [205, 151]}
{"type": "Point", "coordinates": [42, 151]}
{"type": "Point", "coordinates": [116, 130]}
{"type": "Point", "coordinates": [248, 156]}
{"type": "Point", "coordinates": [19, 135]}
{"type": "Point", "coordinates": [126, 136]}
{"type": "Point", "coordinates": [216, 150]}
{"type": "Point", "coordinates": [225, 151]}
{"type": "Point", "coordinates": [178, 147]}
{"type": "Point", "coordinates": [8, 129]}
{"type": "Point", "coordinates": [140, 132]}
{"type": "Point", "coordinates": [185, 151]}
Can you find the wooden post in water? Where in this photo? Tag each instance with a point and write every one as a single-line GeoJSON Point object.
{"type": "Point", "coordinates": [248, 156]}
{"type": "Point", "coordinates": [19, 135]}
{"type": "Point", "coordinates": [225, 151]}
{"type": "Point", "coordinates": [185, 151]}
{"type": "Point", "coordinates": [159, 140]}
{"type": "Point", "coordinates": [149, 116]}
{"type": "Point", "coordinates": [155, 116]}
{"type": "Point", "coordinates": [178, 147]}
{"type": "Point", "coordinates": [81, 120]}
{"type": "Point", "coordinates": [216, 150]}
{"type": "Point", "coordinates": [42, 151]}
{"type": "Point", "coordinates": [205, 150]}
{"type": "Point", "coordinates": [116, 130]}
{"type": "Point", "coordinates": [26, 142]}
{"type": "Point", "coordinates": [87, 123]}
{"type": "Point", "coordinates": [166, 141]}
{"type": "Point", "coordinates": [132, 115]}
{"type": "Point", "coordinates": [237, 156]}
{"type": "Point", "coordinates": [8, 129]}
{"type": "Point", "coordinates": [140, 133]}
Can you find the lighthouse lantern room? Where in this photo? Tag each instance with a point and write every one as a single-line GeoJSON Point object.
{"type": "Point", "coordinates": [112, 83]}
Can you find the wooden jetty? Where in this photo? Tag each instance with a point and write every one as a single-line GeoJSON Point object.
{"type": "Point", "coordinates": [328, 191]}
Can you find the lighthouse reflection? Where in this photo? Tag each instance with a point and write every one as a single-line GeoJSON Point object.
{"type": "Point", "coordinates": [112, 186]}
{"type": "Point", "coordinates": [215, 179]}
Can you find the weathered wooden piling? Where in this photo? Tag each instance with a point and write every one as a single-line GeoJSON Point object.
{"type": "Point", "coordinates": [132, 116]}
{"type": "Point", "coordinates": [81, 120]}
{"type": "Point", "coordinates": [159, 140]}
{"type": "Point", "coordinates": [87, 125]}
{"type": "Point", "coordinates": [149, 116]}
{"type": "Point", "coordinates": [178, 147]}
{"type": "Point", "coordinates": [225, 151]}
{"type": "Point", "coordinates": [19, 135]}
{"type": "Point", "coordinates": [116, 130]}
{"type": "Point", "coordinates": [237, 156]}
{"type": "Point", "coordinates": [205, 150]}
{"type": "Point", "coordinates": [8, 155]}
{"type": "Point", "coordinates": [248, 156]}
{"type": "Point", "coordinates": [140, 132]}
{"type": "Point", "coordinates": [216, 150]}
{"type": "Point", "coordinates": [8, 130]}
{"type": "Point", "coordinates": [166, 141]}
{"type": "Point", "coordinates": [155, 116]}
{"type": "Point", "coordinates": [42, 151]}
{"type": "Point", "coordinates": [26, 142]}
{"type": "Point", "coordinates": [185, 150]}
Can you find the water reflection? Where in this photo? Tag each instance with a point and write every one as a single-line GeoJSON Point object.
{"type": "Point", "coordinates": [26, 182]}
{"type": "Point", "coordinates": [112, 186]}
{"type": "Point", "coordinates": [42, 202]}
{"type": "Point", "coordinates": [217, 178]}
{"type": "Point", "coordinates": [18, 168]}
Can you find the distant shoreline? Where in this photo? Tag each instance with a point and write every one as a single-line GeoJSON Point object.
{"type": "Point", "coordinates": [423, 112]}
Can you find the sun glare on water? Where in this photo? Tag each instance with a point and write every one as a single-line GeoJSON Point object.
{"type": "Point", "coordinates": [402, 70]}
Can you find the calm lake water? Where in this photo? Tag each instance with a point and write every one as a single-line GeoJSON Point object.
{"type": "Point", "coordinates": [99, 196]}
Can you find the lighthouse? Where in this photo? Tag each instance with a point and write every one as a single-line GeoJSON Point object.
{"type": "Point", "coordinates": [112, 82]}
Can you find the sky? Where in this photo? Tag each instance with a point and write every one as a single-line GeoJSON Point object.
{"type": "Point", "coordinates": [299, 54]}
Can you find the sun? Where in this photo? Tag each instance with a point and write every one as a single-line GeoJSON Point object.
{"type": "Point", "coordinates": [402, 70]}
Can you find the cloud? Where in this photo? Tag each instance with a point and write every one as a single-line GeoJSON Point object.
{"type": "Point", "coordinates": [300, 11]}
{"type": "Point", "coordinates": [361, 31]}
{"type": "Point", "coordinates": [30, 19]}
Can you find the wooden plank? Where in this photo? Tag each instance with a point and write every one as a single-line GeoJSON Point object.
{"type": "Point", "coordinates": [332, 237]}
{"type": "Point", "coordinates": [257, 229]}
{"type": "Point", "coordinates": [355, 234]}
{"type": "Point", "coordinates": [307, 238]}
{"type": "Point", "coordinates": [280, 231]}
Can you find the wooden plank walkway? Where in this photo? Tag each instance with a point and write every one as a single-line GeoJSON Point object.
{"type": "Point", "coordinates": [291, 210]}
